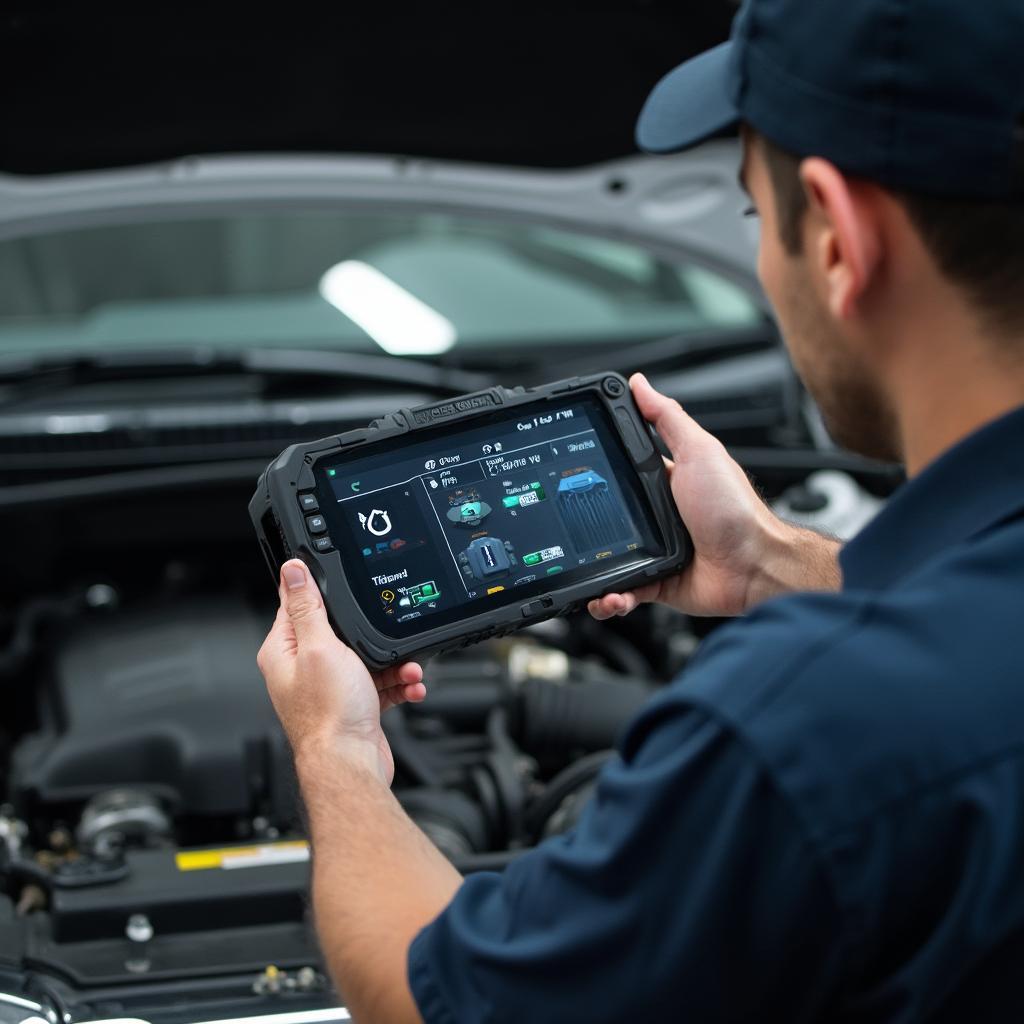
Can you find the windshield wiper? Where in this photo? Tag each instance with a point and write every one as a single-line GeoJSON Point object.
{"type": "Point", "coordinates": [24, 375]}
{"type": "Point", "coordinates": [386, 369]}
{"type": "Point", "coordinates": [673, 351]}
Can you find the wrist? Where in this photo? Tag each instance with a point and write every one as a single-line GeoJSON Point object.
{"type": "Point", "coordinates": [317, 757]}
{"type": "Point", "coordinates": [792, 558]}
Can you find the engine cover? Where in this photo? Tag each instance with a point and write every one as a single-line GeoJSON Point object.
{"type": "Point", "coordinates": [169, 701]}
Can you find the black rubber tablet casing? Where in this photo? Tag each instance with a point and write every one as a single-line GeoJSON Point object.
{"type": "Point", "coordinates": [281, 526]}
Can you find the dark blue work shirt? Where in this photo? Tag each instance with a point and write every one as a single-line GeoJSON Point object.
{"type": "Point", "coordinates": [822, 819]}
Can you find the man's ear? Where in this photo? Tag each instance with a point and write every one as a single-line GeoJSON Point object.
{"type": "Point", "coordinates": [844, 235]}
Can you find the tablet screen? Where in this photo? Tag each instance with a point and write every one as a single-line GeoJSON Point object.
{"type": "Point", "coordinates": [447, 522]}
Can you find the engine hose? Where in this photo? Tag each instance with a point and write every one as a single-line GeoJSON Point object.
{"type": "Point", "coordinates": [452, 821]}
{"type": "Point", "coordinates": [487, 796]}
{"type": "Point", "coordinates": [46, 992]}
{"type": "Point", "coordinates": [32, 616]}
{"type": "Point", "coordinates": [463, 706]}
{"type": "Point", "coordinates": [28, 871]}
{"type": "Point", "coordinates": [568, 781]}
{"type": "Point", "coordinates": [503, 762]}
{"type": "Point", "coordinates": [550, 718]}
{"type": "Point", "coordinates": [495, 860]}
{"type": "Point", "coordinates": [616, 649]}
{"type": "Point", "coordinates": [409, 753]}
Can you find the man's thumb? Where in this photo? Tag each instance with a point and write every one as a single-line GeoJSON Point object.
{"type": "Point", "coordinates": [679, 432]}
{"type": "Point", "coordinates": [301, 599]}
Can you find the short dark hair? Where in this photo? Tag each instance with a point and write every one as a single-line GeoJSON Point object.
{"type": "Point", "coordinates": [978, 244]}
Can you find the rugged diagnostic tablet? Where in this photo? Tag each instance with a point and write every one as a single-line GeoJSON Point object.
{"type": "Point", "coordinates": [439, 526]}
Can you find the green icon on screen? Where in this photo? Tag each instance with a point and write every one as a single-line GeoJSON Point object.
{"type": "Point", "coordinates": [422, 593]}
{"type": "Point", "coordinates": [533, 496]}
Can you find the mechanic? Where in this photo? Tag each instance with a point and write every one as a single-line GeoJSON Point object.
{"type": "Point", "coordinates": [823, 818]}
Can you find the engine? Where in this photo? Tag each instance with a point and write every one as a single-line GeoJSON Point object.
{"type": "Point", "coordinates": [168, 703]}
{"type": "Point", "coordinates": [155, 794]}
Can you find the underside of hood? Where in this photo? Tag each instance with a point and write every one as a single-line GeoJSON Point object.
{"type": "Point", "coordinates": [553, 85]}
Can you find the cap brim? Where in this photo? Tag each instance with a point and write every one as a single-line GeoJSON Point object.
{"type": "Point", "coordinates": [689, 105]}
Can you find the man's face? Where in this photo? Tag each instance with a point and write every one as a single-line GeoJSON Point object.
{"type": "Point", "coordinates": [835, 371]}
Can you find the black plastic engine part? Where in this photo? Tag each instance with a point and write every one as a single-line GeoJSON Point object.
{"type": "Point", "coordinates": [169, 702]}
{"type": "Point", "coordinates": [550, 718]}
{"type": "Point", "coordinates": [177, 900]}
{"type": "Point", "coordinates": [802, 498]}
{"type": "Point", "coordinates": [563, 800]}
{"type": "Point", "coordinates": [12, 933]}
{"type": "Point", "coordinates": [568, 813]}
{"type": "Point", "coordinates": [30, 619]}
{"type": "Point", "coordinates": [175, 959]}
{"type": "Point", "coordinates": [464, 705]}
{"type": "Point", "coordinates": [411, 757]}
{"type": "Point", "coordinates": [453, 822]}
{"type": "Point", "coordinates": [504, 763]}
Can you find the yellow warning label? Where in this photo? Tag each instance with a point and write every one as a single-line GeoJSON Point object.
{"type": "Point", "coordinates": [230, 857]}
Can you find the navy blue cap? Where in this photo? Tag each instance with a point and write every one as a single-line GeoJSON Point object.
{"type": "Point", "coordinates": [923, 95]}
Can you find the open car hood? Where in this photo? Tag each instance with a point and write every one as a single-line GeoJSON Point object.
{"type": "Point", "coordinates": [684, 203]}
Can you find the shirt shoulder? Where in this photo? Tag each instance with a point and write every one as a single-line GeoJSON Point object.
{"type": "Point", "coordinates": [746, 665]}
{"type": "Point", "coordinates": [857, 699]}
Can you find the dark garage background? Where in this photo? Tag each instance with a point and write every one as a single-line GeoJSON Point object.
{"type": "Point", "coordinates": [87, 85]}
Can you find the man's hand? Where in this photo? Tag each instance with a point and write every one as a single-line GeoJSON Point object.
{"type": "Point", "coordinates": [377, 879]}
{"type": "Point", "coordinates": [743, 553]}
{"type": "Point", "coordinates": [323, 694]}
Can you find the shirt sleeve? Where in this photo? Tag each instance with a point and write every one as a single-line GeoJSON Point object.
{"type": "Point", "coordinates": [686, 892]}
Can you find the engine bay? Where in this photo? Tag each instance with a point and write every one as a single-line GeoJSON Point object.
{"type": "Point", "coordinates": [155, 782]}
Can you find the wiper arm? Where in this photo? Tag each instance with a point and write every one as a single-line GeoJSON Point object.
{"type": "Point", "coordinates": [357, 366]}
{"type": "Point", "coordinates": [673, 349]}
{"type": "Point", "coordinates": [23, 376]}
{"type": "Point", "coordinates": [67, 367]}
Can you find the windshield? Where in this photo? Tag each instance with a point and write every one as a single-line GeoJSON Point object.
{"type": "Point", "coordinates": [416, 284]}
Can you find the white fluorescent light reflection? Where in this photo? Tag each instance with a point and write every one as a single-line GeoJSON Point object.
{"type": "Point", "coordinates": [400, 323]}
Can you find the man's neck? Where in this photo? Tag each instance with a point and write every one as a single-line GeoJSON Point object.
{"type": "Point", "coordinates": [954, 382]}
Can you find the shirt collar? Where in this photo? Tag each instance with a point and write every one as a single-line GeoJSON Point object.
{"type": "Point", "coordinates": [974, 485]}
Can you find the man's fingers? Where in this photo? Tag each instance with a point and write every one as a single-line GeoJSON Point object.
{"type": "Point", "coordinates": [400, 683]}
{"type": "Point", "coordinates": [399, 694]}
{"type": "Point", "coordinates": [678, 430]}
{"type": "Point", "coordinates": [408, 673]}
{"type": "Point", "coordinates": [301, 599]}
{"type": "Point", "coordinates": [610, 605]}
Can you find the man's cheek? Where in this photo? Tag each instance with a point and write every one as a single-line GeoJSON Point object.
{"type": "Point", "coordinates": [768, 270]}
